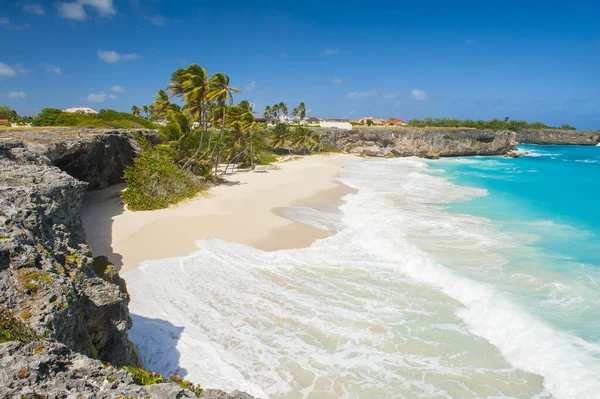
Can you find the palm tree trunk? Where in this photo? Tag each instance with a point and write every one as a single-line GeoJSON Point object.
{"type": "Point", "coordinates": [251, 153]}
{"type": "Point", "coordinates": [220, 140]}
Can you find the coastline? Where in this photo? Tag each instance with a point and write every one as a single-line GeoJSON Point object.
{"type": "Point", "coordinates": [244, 210]}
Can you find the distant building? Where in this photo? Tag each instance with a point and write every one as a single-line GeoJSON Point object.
{"type": "Point", "coordinates": [394, 122]}
{"type": "Point", "coordinates": [313, 121]}
{"type": "Point", "coordinates": [336, 123]}
{"type": "Point", "coordinates": [81, 110]}
{"type": "Point", "coordinates": [365, 120]}
{"type": "Point", "coordinates": [2, 121]}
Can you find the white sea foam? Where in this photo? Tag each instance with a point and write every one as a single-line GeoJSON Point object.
{"type": "Point", "coordinates": [370, 312]}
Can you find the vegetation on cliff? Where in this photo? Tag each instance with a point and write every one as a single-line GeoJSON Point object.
{"type": "Point", "coordinates": [493, 124]}
{"type": "Point", "coordinates": [103, 119]}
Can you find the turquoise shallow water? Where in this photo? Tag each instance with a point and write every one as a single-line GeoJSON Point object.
{"type": "Point", "coordinates": [548, 202]}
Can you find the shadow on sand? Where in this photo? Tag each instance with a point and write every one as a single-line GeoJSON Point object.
{"type": "Point", "coordinates": [156, 343]}
{"type": "Point", "coordinates": [97, 213]}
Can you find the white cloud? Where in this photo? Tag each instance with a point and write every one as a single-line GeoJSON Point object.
{"type": "Point", "coordinates": [34, 9]}
{"type": "Point", "coordinates": [331, 51]}
{"type": "Point", "coordinates": [159, 20]}
{"type": "Point", "coordinates": [361, 94]}
{"type": "Point", "coordinates": [76, 10]}
{"type": "Point", "coordinates": [17, 95]}
{"type": "Point", "coordinates": [390, 95]}
{"type": "Point", "coordinates": [112, 96]}
{"type": "Point", "coordinates": [117, 89]}
{"type": "Point", "coordinates": [10, 71]}
{"type": "Point", "coordinates": [97, 97]}
{"type": "Point", "coordinates": [52, 69]}
{"type": "Point", "coordinates": [112, 57]}
{"type": "Point", "coordinates": [337, 81]}
{"type": "Point", "coordinates": [419, 94]}
{"type": "Point", "coordinates": [72, 11]}
{"type": "Point", "coordinates": [250, 86]}
{"type": "Point", "coordinates": [283, 54]}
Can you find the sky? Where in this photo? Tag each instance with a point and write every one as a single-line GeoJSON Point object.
{"type": "Point", "coordinates": [538, 61]}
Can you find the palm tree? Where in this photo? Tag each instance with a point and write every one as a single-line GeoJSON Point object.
{"type": "Point", "coordinates": [281, 137]}
{"type": "Point", "coordinates": [267, 112]}
{"type": "Point", "coordinates": [302, 110]}
{"type": "Point", "coordinates": [191, 85]}
{"type": "Point", "coordinates": [221, 92]}
{"type": "Point", "coordinates": [303, 139]}
{"type": "Point", "coordinates": [135, 110]}
{"type": "Point", "coordinates": [146, 110]}
{"type": "Point", "coordinates": [161, 103]}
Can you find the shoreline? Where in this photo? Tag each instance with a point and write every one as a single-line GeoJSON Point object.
{"type": "Point", "coordinates": [246, 210]}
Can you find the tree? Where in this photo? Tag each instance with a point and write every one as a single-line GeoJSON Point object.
{"type": "Point", "coordinates": [47, 117]}
{"type": "Point", "coordinates": [135, 110]}
{"type": "Point", "coordinates": [191, 85]}
{"type": "Point", "coordinates": [281, 137]}
{"type": "Point", "coordinates": [566, 127]}
{"type": "Point", "coordinates": [370, 122]}
{"type": "Point", "coordinates": [146, 110]}
{"type": "Point", "coordinates": [161, 103]}
{"type": "Point", "coordinates": [267, 112]}
{"type": "Point", "coordinates": [7, 113]}
{"type": "Point", "coordinates": [303, 139]}
{"type": "Point", "coordinates": [221, 92]}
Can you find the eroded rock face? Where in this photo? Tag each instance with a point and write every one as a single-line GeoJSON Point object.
{"type": "Point", "coordinates": [51, 370]}
{"type": "Point", "coordinates": [47, 276]}
{"type": "Point", "coordinates": [419, 142]}
{"type": "Point", "coordinates": [556, 136]}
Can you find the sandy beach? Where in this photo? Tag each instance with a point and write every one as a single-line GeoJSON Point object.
{"type": "Point", "coordinates": [246, 210]}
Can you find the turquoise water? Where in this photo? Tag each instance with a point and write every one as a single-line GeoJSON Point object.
{"type": "Point", "coordinates": [548, 201]}
{"type": "Point", "coordinates": [458, 278]}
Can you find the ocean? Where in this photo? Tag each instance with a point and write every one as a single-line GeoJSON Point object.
{"type": "Point", "coordinates": [456, 278]}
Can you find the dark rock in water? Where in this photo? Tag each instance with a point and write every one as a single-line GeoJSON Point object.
{"type": "Point", "coordinates": [557, 136]}
{"type": "Point", "coordinates": [49, 279]}
{"type": "Point", "coordinates": [514, 154]}
{"type": "Point", "coordinates": [419, 142]}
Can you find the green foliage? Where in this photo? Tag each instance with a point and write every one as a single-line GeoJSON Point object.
{"type": "Point", "coordinates": [143, 377]}
{"type": "Point", "coordinates": [370, 122]}
{"type": "Point", "coordinates": [7, 113]}
{"type": "Point", "coordinates": [493, 124]}
{"type": "Point", "coordinates": [12, 329]}
{"type": "Point", "coordinates": [155, 182]}
{"type": "Point", "coordinates": [104, 119]}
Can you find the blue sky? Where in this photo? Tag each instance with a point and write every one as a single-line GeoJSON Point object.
{"type": "Point", "coordinates": [521, 59]}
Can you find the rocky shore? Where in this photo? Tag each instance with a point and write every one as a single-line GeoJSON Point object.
{"type": "Point", "coordinates": [73, 306]}
{"type": "Point", "coordinates": [420, 142]}
{"type": "Point", "coordinates": [555, 136]}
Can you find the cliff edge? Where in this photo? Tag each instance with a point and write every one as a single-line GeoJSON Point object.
{"type": "Point", "coordinates": [556, 136]}
{"type": "Point", "coordinates": [381, 142]}
{"type": "Point", "coordinates": [50, 283]}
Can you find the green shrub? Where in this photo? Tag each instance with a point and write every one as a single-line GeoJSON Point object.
{"type": "Point", "coordinates": [104, 119]}
{"type": "Point", "coordinates": [12, 329]}
{"type": "Point", "coordinates": [143, 377]}
{"type": "Point", "coordinates": [155, 182]}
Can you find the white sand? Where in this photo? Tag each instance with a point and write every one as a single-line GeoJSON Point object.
{"type": "Point", "coordinates": [244, 210]}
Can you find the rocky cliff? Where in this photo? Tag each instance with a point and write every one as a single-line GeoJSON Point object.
{"type": "Point", "coordinates": [555, 136]}
{"type": "Point", "coordinates": [49, 280]}
{"type": "Point", "coordinates": [381, 142]}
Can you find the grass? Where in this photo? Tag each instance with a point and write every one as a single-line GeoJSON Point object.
{"type": "Point", "coordinates": [13, 329]}
{"type": "Point", "coordinates": [144, 377]}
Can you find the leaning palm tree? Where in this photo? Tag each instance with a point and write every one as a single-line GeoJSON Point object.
{"type": "Point", "coordinates": [135, 110]}
{"type": "Point", "coordinates": [146, 110]}
{"type": "Point", "coordinates": [191, 85]}
{"type": "Point", "coordinates": [161, 103]}
{"type": "Point", "coordinates": [267, 112]}
{"type": "Point", "coordinates": [221, 93]}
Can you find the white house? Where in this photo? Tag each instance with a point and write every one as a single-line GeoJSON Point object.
{"type": "Point", "coordinates": [81, 110]}
{"type": "Point", "coordinates": [343, 124]}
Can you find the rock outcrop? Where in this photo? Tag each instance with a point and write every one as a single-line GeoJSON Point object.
{"type": "Point", "coordinates": [556, 136]}
{"type": "Point", "coordinates": [50, 281]}
{"type": "Point", "coordinates": [51, 370]}
{"type": "Point", "coordinates": [419, 142]}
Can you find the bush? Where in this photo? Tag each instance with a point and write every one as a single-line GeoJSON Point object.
{"type": "Point", "coordinates": [155, 182]}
